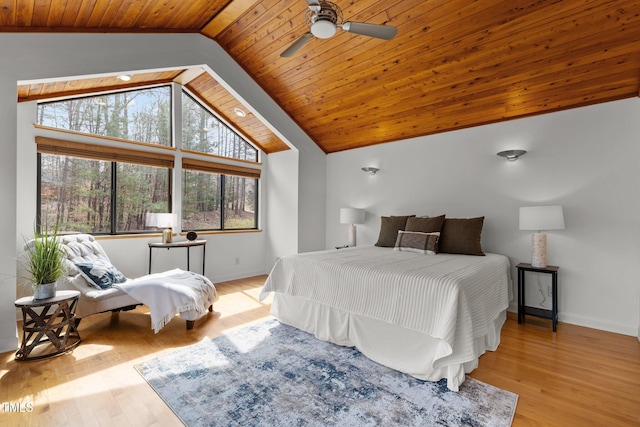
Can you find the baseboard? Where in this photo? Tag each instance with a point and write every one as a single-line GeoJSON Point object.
{"type": "Point", "coordinates": [588, 322]}
{"type": "Point", "coordinates": [8, 344]}
{"type": "Point", "coordinates": [236, 276]}
{"type": "Point", "coordinates": [599, 324]}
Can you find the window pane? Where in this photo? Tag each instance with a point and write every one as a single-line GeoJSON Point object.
{"type": "Point", "coordinates": [139, 115]}
{"type": "Point", "coordinates": [204, 132]}
{"type": "Point", "coordinates": [200, 201]}
{"type": "Point", "coordinates": [75, 193]}
{"type": "Point", "coordinates": [140, 189]}
{"type": "Point", "coordinates": [240, 202]}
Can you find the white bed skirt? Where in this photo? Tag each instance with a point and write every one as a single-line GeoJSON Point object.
{"type": "Point", "coordinates": [403, 349]}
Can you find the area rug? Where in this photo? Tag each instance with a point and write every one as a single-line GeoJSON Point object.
{"type": "Point", "coordinates": [271, 374]}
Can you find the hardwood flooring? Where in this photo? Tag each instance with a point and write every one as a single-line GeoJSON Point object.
{"type": "Point", "coordinates": [575, 377]}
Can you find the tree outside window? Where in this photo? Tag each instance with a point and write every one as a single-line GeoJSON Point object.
{"type": "Point", "coordinates": [109, 188]}
{"type": "Point", "coordinates": [80, 196]}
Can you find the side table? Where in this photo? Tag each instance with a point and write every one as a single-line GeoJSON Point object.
{"type": "Point", "coordinates": [182, 244]}
{"type": "Point", "coordinates": [41, 325]}
{"type": "Point", "coordinates": [534, 311]}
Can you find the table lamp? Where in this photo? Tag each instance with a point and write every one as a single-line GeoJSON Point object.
{"type": "Point", "coordinates": [162, 220]}
{"type": "Point", "coordinates": [540, 218]}
{"type": "Point", "coordinates": [352, 216]}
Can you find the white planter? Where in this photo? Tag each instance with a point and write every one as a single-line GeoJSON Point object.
{"type": "Point", "coordinates": [44, 291]}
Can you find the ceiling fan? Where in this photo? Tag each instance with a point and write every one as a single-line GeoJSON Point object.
{"type": "Point", "coordinates": [323, 19]}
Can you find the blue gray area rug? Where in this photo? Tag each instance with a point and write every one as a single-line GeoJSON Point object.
{"type": "Point", "coordinates": [270, 374]}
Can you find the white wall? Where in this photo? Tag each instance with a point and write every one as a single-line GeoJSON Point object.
{"type": "Point", "coordinates": [585, 159]}
{"type": "Point", "coordinates": [281, 207]}
{"type": "Point", "coordinates": [26, 57]}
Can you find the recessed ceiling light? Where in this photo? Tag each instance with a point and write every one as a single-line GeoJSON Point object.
{"type": "Point", "coordinates": [125, 77]}
{"type": "Point", "coordinates": [239, 112]}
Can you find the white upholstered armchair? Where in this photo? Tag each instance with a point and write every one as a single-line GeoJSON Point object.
{"type": "Point", "coordinates": [189, 294]}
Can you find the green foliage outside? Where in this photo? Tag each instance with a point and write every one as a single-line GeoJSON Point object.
{"type": "Point", "coordinates": [101, 197]}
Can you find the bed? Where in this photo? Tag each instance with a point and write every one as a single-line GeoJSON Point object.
{"type": "Point", "coordinates": [430, 316]}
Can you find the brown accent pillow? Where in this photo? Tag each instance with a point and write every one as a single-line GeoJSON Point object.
{"type": "Point", "coordinates": [389, 227]}
{"type": "Point", "coordinates": [461, 236]}
{"type": "Point", "coordinates": [425, 224]}
{"type": "Point", "coordinates": [413, 241]}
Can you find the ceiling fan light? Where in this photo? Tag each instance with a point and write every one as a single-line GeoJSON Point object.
{"type": "Point", "coordinates": [323, 29]}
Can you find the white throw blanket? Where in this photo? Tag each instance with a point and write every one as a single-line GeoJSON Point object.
{"type": "Point", "coordinates": [169, 293]}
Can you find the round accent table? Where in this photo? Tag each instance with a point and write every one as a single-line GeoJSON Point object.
{"type": "Point", "coordinates": [50, 322]}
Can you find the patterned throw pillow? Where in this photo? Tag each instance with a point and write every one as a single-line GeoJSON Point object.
{"type": "Point", "coordinates": [413, 241]}
{"type": "Point", "coordinates": [100, 273]}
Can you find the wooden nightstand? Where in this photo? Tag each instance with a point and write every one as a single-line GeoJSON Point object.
{"type": "Point", "coordinates": [533, 311]}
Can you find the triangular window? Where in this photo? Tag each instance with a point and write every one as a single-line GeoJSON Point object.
{"type": "Point", "coordinates": [203, 132]}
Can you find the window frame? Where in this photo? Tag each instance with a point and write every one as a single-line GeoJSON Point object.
{"type": "Point", "coordinates": [92, 149]}
{"type": "Point", "coordinates": [223, 179]}
{"type": "Point", "coordinates": [113, 226]}
{"type": "Point", "coordinates": [223, 122]}
{"type": "Point", "coordinates": [107, 93]}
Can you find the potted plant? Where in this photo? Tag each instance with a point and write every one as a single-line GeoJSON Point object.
{"type": "Point", "coordinates": [45, 262]}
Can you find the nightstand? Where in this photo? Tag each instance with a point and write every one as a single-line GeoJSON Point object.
{"type": "Point", "coordinates": [533, 311]}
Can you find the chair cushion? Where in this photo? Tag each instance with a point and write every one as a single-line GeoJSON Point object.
{"type": "Point", "coordinates": [81, 248]}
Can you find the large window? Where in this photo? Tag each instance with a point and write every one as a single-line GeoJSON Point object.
{"type": "Point", "coordinates": [100, 197]}
{"type": "Point", "coordinates": [139, 115]}
{"type": "Point", "coordinates": [108, 187]}
{"type": "Point", "coordinates": [212, 201]}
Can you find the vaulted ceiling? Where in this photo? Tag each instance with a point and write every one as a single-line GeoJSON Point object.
{"type": "Point", "coordinates": [453, 64]}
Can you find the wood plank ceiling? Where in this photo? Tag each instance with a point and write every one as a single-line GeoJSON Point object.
{"type": "Point", "coordinates": [454, 63]}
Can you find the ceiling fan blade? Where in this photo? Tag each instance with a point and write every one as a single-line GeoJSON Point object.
{"type": "Point", "coordinates": [314, 5]}
{"type": "Point", "coordinates": [372, 30]}
{"type": "Point", "coordinates": [296, 45]}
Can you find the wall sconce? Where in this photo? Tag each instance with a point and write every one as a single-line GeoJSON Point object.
{"type": "Point", "coordinates": [511, 155]}
{"type": "Point", "coordinates": [370, 170]}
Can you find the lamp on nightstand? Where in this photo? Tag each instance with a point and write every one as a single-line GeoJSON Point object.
{"type": "Point", "coordinates": [541, 218]}
{"type": "Point", "coordinates": [352, 216]}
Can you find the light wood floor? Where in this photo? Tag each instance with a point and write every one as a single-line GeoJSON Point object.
{"type": "Point", "coordinates": [575, 377]}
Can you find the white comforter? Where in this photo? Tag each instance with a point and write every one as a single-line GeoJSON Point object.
{"type": "Point", "coordinates": [169, 293]}
{"type": "Point", "coordinates": [454, 298]}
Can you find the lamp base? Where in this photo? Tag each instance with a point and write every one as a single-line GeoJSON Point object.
{"type": "Point", "coordinates": [352, 235]}
{"type": "Point", "coordinates": [166, 235]}
{"type": "Point", "coordinates": [539, 250]}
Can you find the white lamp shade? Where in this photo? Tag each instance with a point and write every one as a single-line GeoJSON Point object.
{"type": "Point", "coordinates": [541, 218]}
{"type": "Point", "coordinates": [161, 220]}
{"type": "Point", "coordinates": [351, 216]}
